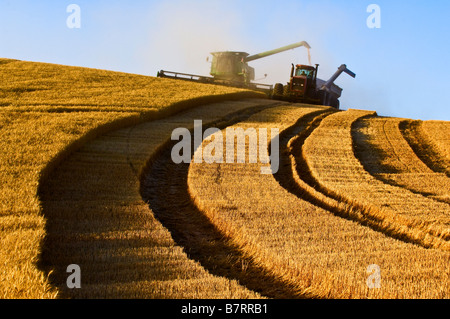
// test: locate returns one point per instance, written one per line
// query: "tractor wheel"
(277, 91)
(287, 93)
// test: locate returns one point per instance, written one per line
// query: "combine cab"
(305, 87)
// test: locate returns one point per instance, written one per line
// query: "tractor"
(305, 87)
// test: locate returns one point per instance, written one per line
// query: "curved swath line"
(422, 232)
(263, 278)
(424, 149)
(297, 241)
(164, 188)
(437, 133)
(96, 218)
(295, 176)
(382, 149)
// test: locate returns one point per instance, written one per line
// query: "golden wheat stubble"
(337, 169)
(46, 112)
(384, 153)
(437, 132)
(313, 251)
(98, 220)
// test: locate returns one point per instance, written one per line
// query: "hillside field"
(86, 178)
(46, 112)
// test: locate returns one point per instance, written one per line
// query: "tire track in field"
(295, 176)
(302, 243)
(383, 150)
(394, 210)
(165, 188)
(425, 150)
(97, 219)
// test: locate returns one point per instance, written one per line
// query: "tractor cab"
(305, 70)
(303, 80)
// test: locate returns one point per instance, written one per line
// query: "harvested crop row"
(438, 132)
(316, 253)
(164, 188)
(384, 153)
(29, 142)
(97, 219)
(334, 166)
(46, 112)
(430, 142)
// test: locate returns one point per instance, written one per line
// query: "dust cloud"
(183, 34)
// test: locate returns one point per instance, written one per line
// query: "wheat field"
(318, 254)
(386, 154)
(429, 141)
(87, 178)
(46, 112)
(123, 250)
(337, 169)
(437, 131)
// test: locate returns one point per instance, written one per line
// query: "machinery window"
(304, 72)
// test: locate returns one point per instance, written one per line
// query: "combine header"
(231, 68)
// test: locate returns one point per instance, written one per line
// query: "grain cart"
(231, 68)
(305, 87)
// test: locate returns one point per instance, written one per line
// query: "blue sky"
(402, 68)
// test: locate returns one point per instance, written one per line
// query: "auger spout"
(330, 82)
(279, 50)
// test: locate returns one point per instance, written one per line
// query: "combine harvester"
(230, 68)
